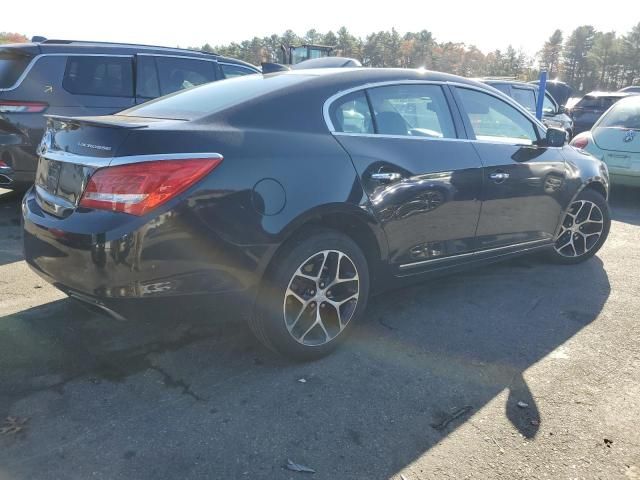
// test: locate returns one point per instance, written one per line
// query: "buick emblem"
(629, 135)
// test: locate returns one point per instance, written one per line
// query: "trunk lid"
(71, 150)
(617, 139)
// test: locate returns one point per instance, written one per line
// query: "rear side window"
(11, 67)
(412, 110)
(351, 114)
(182, 73)
(99, 75)
(231, 71)
(525, 97)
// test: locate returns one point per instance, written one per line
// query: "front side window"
(351, 114)
(412, 110)
(182, 73)
(494, 120)
(525, 97)
(231, 71)
(99, 75)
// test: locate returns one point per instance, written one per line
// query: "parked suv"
(526, 94)
(586, 112)
(72, 78)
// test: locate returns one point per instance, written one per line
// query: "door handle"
(386, 177)
(499, 177)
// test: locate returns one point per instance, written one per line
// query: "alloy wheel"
(581, 229)
(321, 297)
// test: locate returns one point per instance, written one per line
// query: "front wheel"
(584, 229)
(315, 292)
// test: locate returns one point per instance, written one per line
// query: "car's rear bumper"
(21, 160)
(126, 263)
(629, 179)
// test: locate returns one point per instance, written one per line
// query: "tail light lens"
(580, 141)
(10, 106)
(140, 187)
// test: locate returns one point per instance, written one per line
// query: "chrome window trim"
(430, 139)
(101, 162)
(161, 156)
(199, 59)
(505, 98)
(33, 61)
(529, 244)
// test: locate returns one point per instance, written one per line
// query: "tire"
(584, 229)
(294, 295)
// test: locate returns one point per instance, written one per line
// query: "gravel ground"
(198, 398)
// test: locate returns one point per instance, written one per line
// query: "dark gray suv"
(72, 78)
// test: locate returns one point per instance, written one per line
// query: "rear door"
(522, 180)
(422, 179)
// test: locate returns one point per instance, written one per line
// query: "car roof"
(374, 75)
(607, 94)
(81, 46)
(504, 81)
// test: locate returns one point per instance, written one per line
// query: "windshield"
(624, 114)
(213, 97)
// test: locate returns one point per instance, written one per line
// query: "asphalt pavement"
(517, 370)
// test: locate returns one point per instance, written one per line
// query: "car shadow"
(196, 396)
(10, 230)
(625, 203)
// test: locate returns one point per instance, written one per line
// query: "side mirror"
(561, 109)
(556, 137)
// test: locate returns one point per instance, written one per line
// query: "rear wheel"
(315, 292)
(584, 229)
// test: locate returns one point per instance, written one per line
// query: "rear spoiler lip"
(93, 121)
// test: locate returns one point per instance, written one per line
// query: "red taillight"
(580, 141)
(10, 106)
(138, 188)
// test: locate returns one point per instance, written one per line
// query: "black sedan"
(291, 197)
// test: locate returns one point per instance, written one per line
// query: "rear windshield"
(11, 67)
(625, 114)
(213, 97)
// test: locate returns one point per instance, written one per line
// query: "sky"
(487, 24)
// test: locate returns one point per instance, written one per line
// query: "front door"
(522, 178)
(423, 181)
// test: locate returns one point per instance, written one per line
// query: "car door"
(422, 180)
(522, 178)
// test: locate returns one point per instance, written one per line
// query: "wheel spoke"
(583, 220)
(323, 304)
(302, 310)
